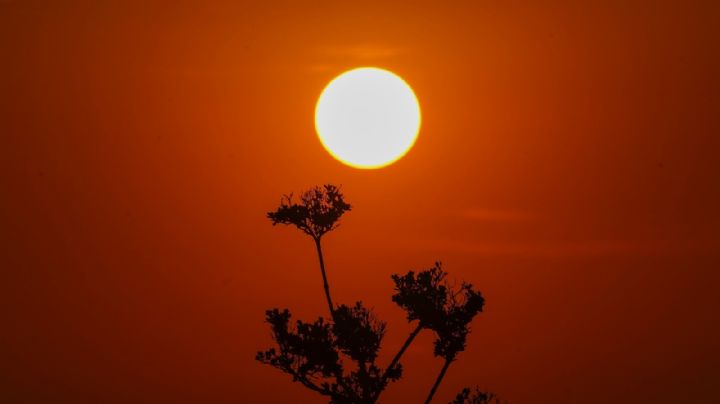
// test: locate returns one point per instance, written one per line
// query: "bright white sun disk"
(367, 117)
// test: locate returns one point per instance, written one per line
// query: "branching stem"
(324, 276)
(438, 380)
(397, 357)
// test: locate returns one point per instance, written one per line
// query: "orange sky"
(567, 166)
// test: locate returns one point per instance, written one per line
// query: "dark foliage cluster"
(428, 298)
(358, 332)
(316, 212)
(475, 396)
(312, 353)
(337, 357)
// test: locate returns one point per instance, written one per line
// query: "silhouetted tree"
(315, 354)
(311, 353)
(459, 310)
(316, 213)
(475, 396)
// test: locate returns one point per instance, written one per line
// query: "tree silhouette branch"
(438, 380)
(316, 212)
(326, 286)
(313, 353)
(393, 366)
(475, 396)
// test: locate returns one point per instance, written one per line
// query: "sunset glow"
(304, 201)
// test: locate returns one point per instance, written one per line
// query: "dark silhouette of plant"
(359, 332)
(311, 353)
(307, 352)
(475, 396)
(459, 310)
(431, 301)
(316, 213)
(317, 354)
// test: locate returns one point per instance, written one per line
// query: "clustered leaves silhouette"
(313, 353)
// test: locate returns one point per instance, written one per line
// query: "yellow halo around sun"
(367, 117)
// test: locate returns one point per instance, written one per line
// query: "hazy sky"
(567, 166)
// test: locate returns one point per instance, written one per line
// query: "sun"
(367, 117)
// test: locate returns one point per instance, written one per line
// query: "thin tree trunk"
(325, 281)
(438, 380)
(399, 355)
(326, 286)
(405, 346)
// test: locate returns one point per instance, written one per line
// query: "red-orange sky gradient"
(567, 166)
